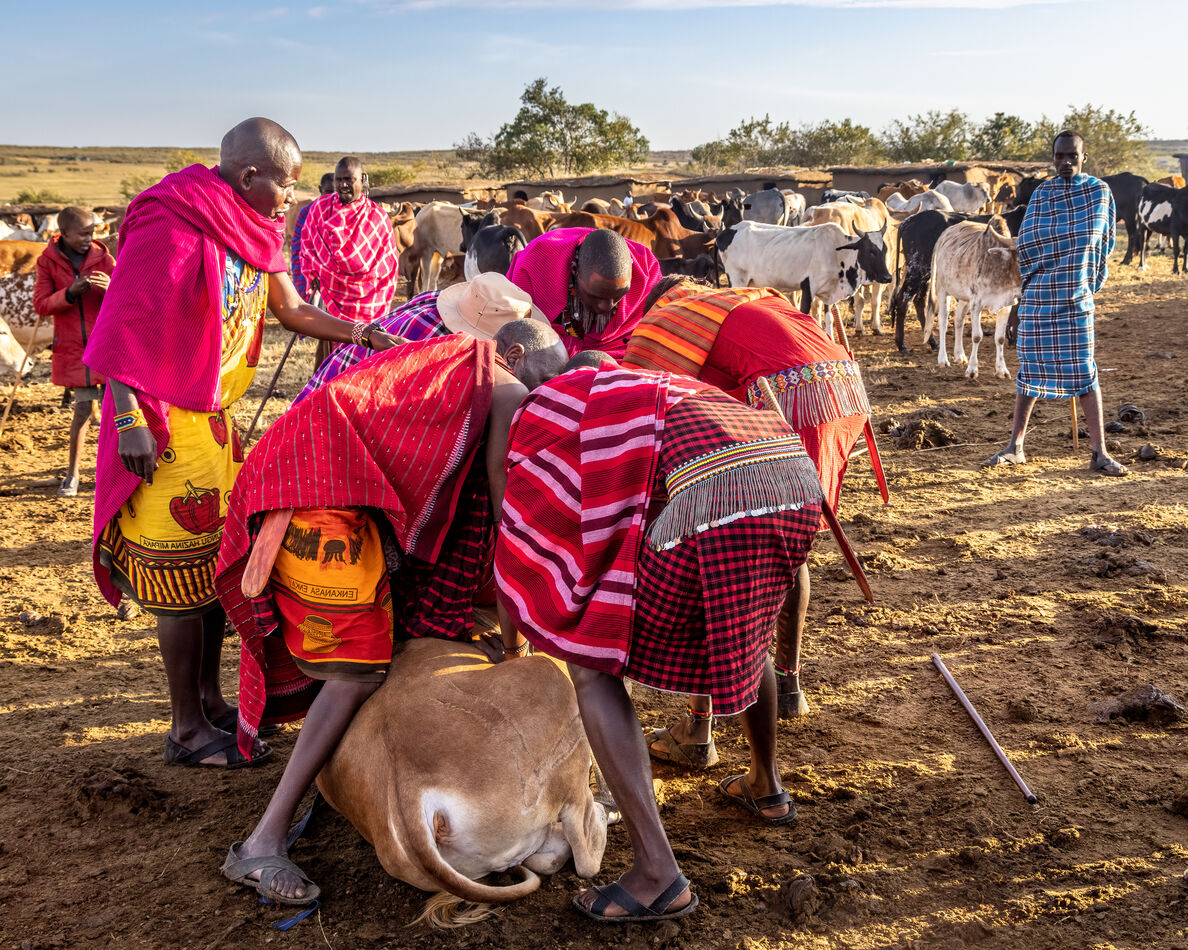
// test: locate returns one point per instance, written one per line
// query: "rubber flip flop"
(177, 754)
(756, 805)
(692, 755)
(237, 869)
(637, 913)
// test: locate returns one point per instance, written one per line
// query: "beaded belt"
(826, 371)
(731, 458)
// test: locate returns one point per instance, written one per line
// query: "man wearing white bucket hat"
(477, 308)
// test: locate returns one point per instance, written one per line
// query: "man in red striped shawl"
(730, 338)
(348, 250)
(380, 493)
(652, 526)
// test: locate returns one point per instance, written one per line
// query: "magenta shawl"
(542, 270)
(160, 328)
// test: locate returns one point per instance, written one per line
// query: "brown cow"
(1172, 181)
(905, 188)
(532, 223)
(455, 769)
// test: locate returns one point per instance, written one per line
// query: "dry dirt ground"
(1045, 589)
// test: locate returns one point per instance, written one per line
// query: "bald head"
(261, 161)
(605, 253)
(532, 349)
(348, 179)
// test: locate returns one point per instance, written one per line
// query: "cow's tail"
(423, 845)
(445, 912)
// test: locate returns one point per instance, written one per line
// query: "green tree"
(1003, 137)
(1114, 141)
(132, 185)
(933, 135)
(40, 196)
(181, 158)
(834, 143)
(550, 135)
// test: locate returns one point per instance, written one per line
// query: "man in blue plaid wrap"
(1064, 243)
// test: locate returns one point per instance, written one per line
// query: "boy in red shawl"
(72, 275)
(178, 338)
(731, 338)
(589, 283)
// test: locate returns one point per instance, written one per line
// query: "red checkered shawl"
(351, 251)
(582, 460)
(399, 433)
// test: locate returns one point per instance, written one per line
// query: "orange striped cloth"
(677, 334)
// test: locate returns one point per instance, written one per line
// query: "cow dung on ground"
(1147, 703)
(923, 434)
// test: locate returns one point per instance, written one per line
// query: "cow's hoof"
(904, 350)
(877, 331)
(1003, 374)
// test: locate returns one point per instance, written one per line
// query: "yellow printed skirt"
(163, 546)
(330, 584)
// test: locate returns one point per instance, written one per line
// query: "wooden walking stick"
(876, 460)
(843, 542)
(1072, 408)
(20, 369)
(983, 728)
(271, 387)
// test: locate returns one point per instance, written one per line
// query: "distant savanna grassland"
(110, 175)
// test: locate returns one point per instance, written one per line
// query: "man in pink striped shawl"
(178, 338)
(348, 251)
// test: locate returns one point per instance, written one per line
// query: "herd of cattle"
(922, 243)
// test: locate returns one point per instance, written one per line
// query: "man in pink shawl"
(590, 283)
(348, 251)
(178, 338)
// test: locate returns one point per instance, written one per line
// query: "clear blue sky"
(371, 75)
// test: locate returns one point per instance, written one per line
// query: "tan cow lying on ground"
(456, 768)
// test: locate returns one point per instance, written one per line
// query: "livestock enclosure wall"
(806, 181)
(871, 177)
(437, 191)
(578, 190)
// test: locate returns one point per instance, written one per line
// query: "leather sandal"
(663, 747)
(754, 805)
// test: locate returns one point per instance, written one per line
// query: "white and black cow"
(1163, 210)
(827, 264)
(964, 196)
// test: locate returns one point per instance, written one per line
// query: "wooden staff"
(843, 542)
(986, 733)
(20, 369)
(876, 460)
(271, 387)
(1072, 408)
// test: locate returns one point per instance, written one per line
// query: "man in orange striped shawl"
(731, 338)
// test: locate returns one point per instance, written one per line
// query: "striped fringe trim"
(747, 490)
(816, 393)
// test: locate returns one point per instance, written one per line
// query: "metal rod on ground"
(19, 370)
(983, 728)
(271, 386)
(1072, 408)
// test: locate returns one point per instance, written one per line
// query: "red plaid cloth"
(351, 251)
(706, 609)
(398, 435)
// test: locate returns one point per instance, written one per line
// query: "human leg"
(690, 740)
(210, 689)
(182, 642)
(759, 726)
(789, 633)
(79, 424)
(328, 718)
(613, 730)
(1100, 460)
(1013, 453)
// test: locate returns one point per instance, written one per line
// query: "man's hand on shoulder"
(138, 452)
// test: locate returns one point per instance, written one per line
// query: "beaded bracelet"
(132, 419)
(521, 650)
(357, 332)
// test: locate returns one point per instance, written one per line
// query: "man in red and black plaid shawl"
(652, 528)
(348, 251)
